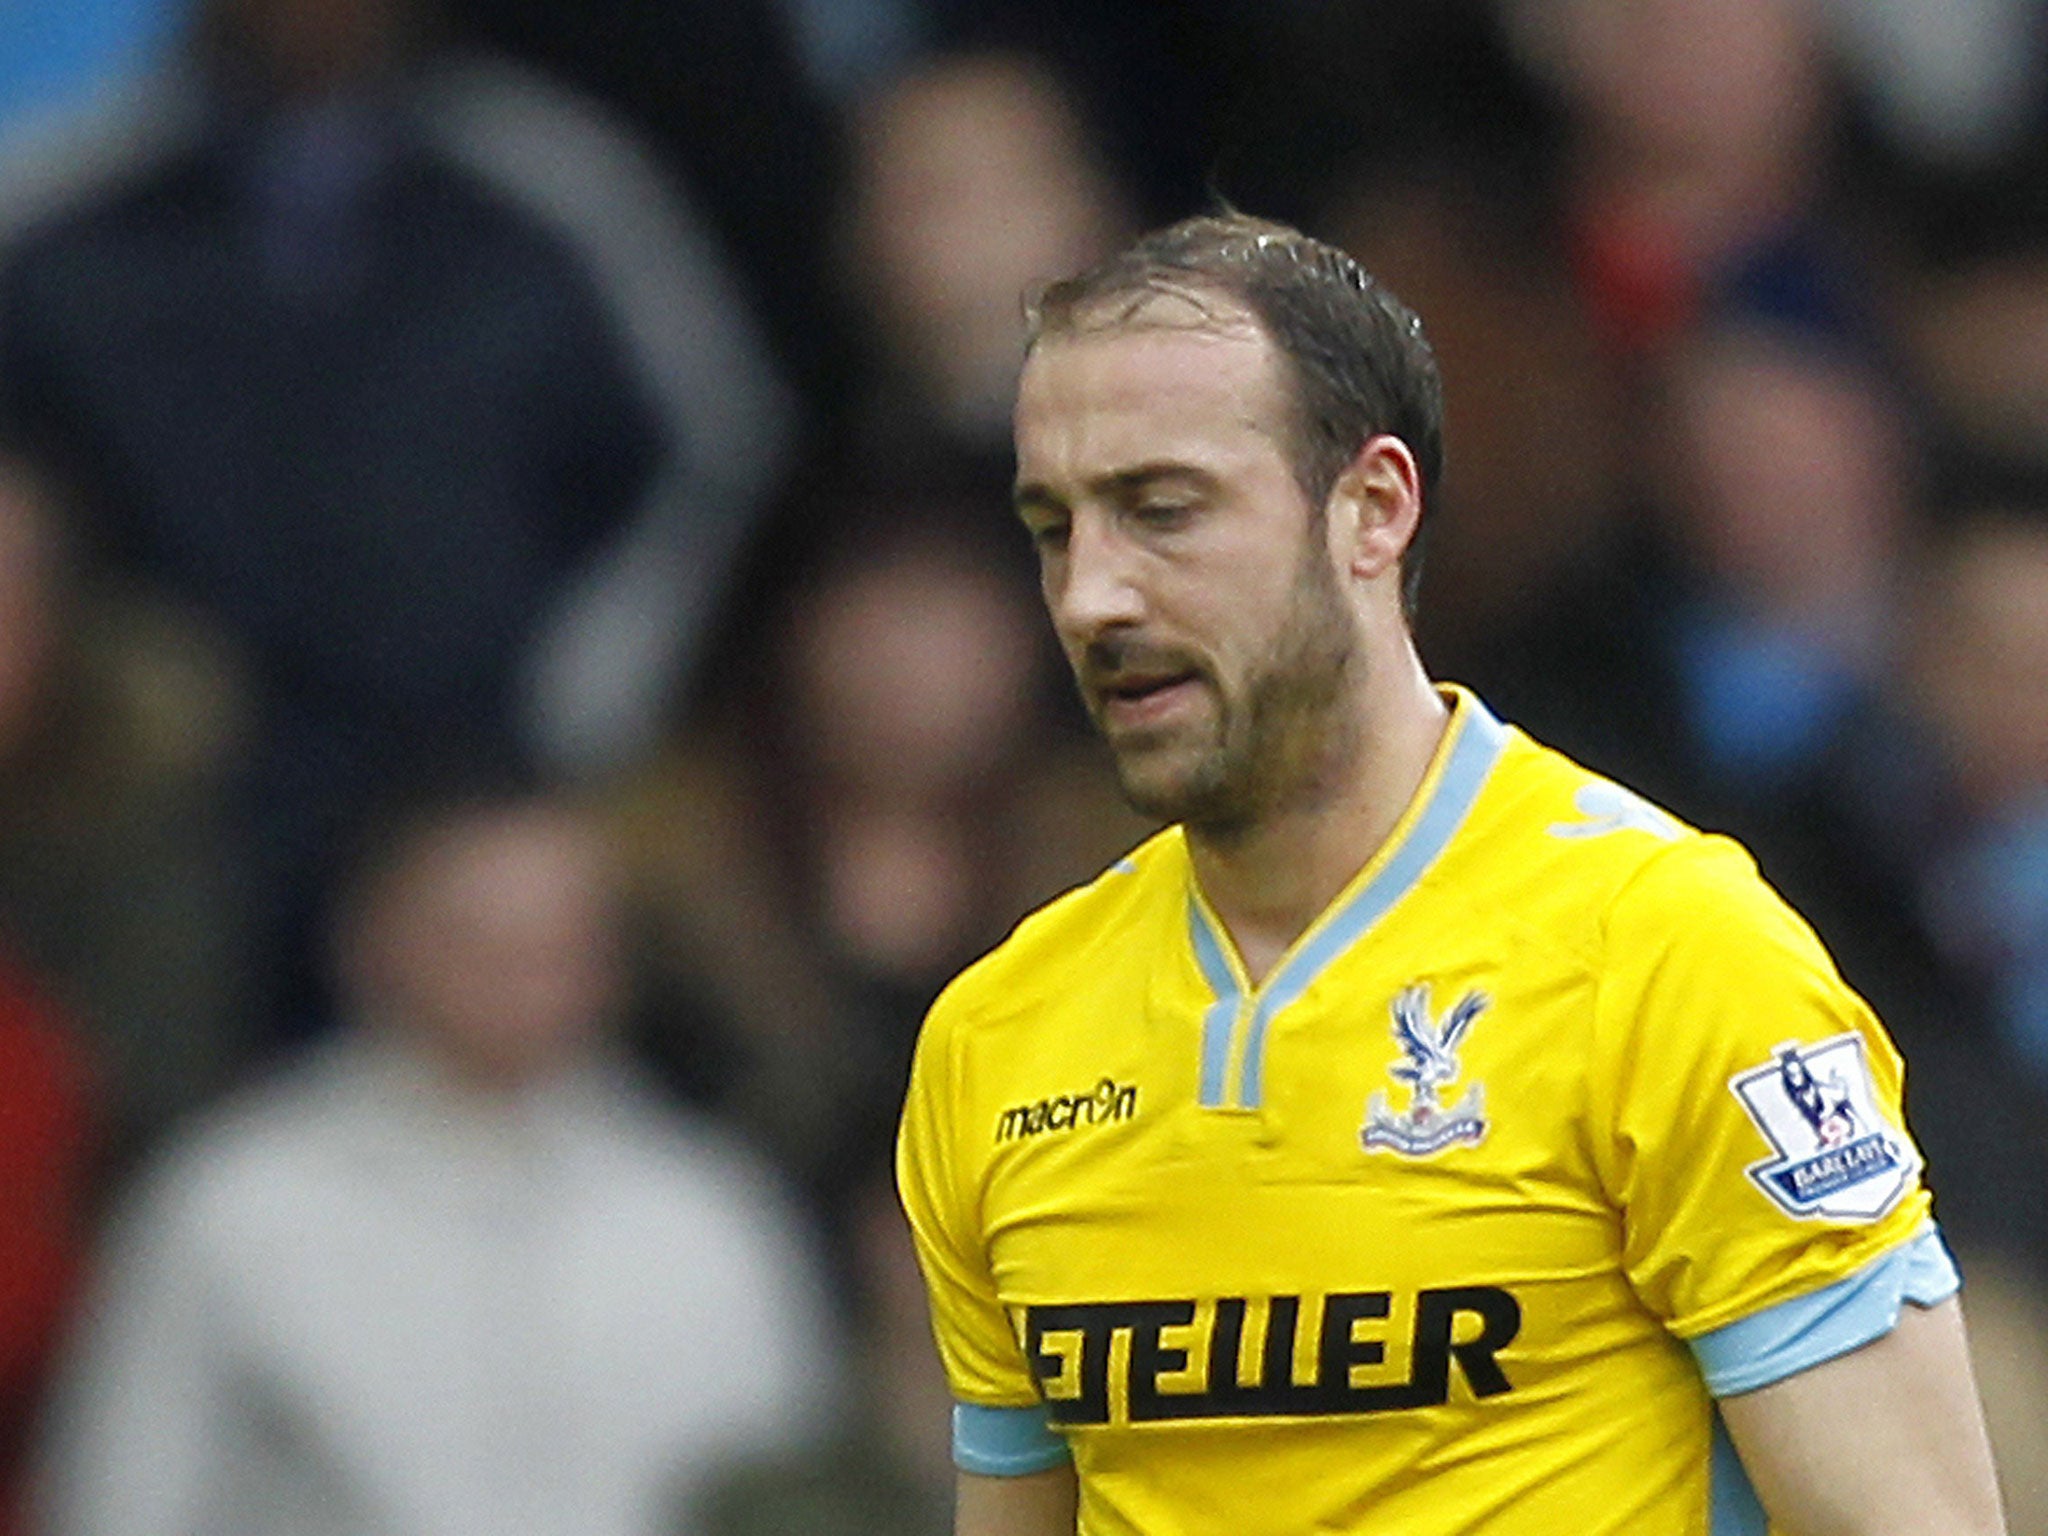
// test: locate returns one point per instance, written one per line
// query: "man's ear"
(1375, 508)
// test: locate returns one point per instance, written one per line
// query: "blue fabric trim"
(1220, 1021)
(1480, 740)
(1005, 1442)
(1733, 1509)
(1794, 1335)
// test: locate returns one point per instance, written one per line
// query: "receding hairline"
(1146, 304)
(1196, 309)
(1169, 307)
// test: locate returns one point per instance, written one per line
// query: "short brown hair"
(1357, 361)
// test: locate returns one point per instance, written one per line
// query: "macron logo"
(1106, 1103)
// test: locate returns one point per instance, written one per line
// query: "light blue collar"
(1472, 745)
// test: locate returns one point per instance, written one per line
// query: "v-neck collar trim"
(1234, 1026)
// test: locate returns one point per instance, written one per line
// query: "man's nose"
(1095, 586)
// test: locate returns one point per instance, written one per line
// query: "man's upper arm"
(1747, 1102)
(1887, 1440)
(1000, 1425)
(1773, 1212)
(1042, 1504)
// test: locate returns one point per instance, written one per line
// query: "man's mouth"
(1139, 699)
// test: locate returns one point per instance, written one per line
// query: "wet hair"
(1356, 361)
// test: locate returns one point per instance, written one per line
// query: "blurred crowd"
(518, 682)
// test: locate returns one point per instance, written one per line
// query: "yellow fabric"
(1504, 1349)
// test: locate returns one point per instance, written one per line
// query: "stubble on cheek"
(1283, 740)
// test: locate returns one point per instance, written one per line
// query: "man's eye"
(1161, 514)
(1048, 535)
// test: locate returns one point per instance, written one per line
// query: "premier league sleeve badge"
(1836, 1156)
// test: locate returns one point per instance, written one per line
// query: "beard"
(1278, 743)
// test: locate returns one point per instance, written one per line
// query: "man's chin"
(1163, 785)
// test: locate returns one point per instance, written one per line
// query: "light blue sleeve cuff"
(1794, 1335)
(1005, 1442)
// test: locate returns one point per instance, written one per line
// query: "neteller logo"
(1183, 1359)
(1106, 1103)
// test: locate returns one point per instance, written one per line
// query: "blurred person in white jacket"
(456, 1274)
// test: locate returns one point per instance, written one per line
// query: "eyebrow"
(1033, 497)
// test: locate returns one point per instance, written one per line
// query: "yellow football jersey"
(1412, 1237)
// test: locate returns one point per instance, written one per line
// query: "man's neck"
(1270, 881)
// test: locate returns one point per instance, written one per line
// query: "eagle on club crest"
(1429, 1062)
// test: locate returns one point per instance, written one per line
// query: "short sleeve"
(935, 1176)
(1753, 1139)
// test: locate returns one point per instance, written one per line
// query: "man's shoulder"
(1077, 933)
(1588, 850)
(1562, 843)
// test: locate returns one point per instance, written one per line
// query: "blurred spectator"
(1742, 656)
(47, 1147)
(1983, 686)
(889, 1471)
(412, 374)
(1700, 142)
(116, 720)
(1790, 490)
(974, 181)
(456, 1274)
(1153, 81)
(1972, 323)
(1740, 629)
(718, 91)
(1154, 84)
(876, 789)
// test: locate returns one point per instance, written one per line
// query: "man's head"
(1355, 362)
(1215, 459)
(480, 926)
